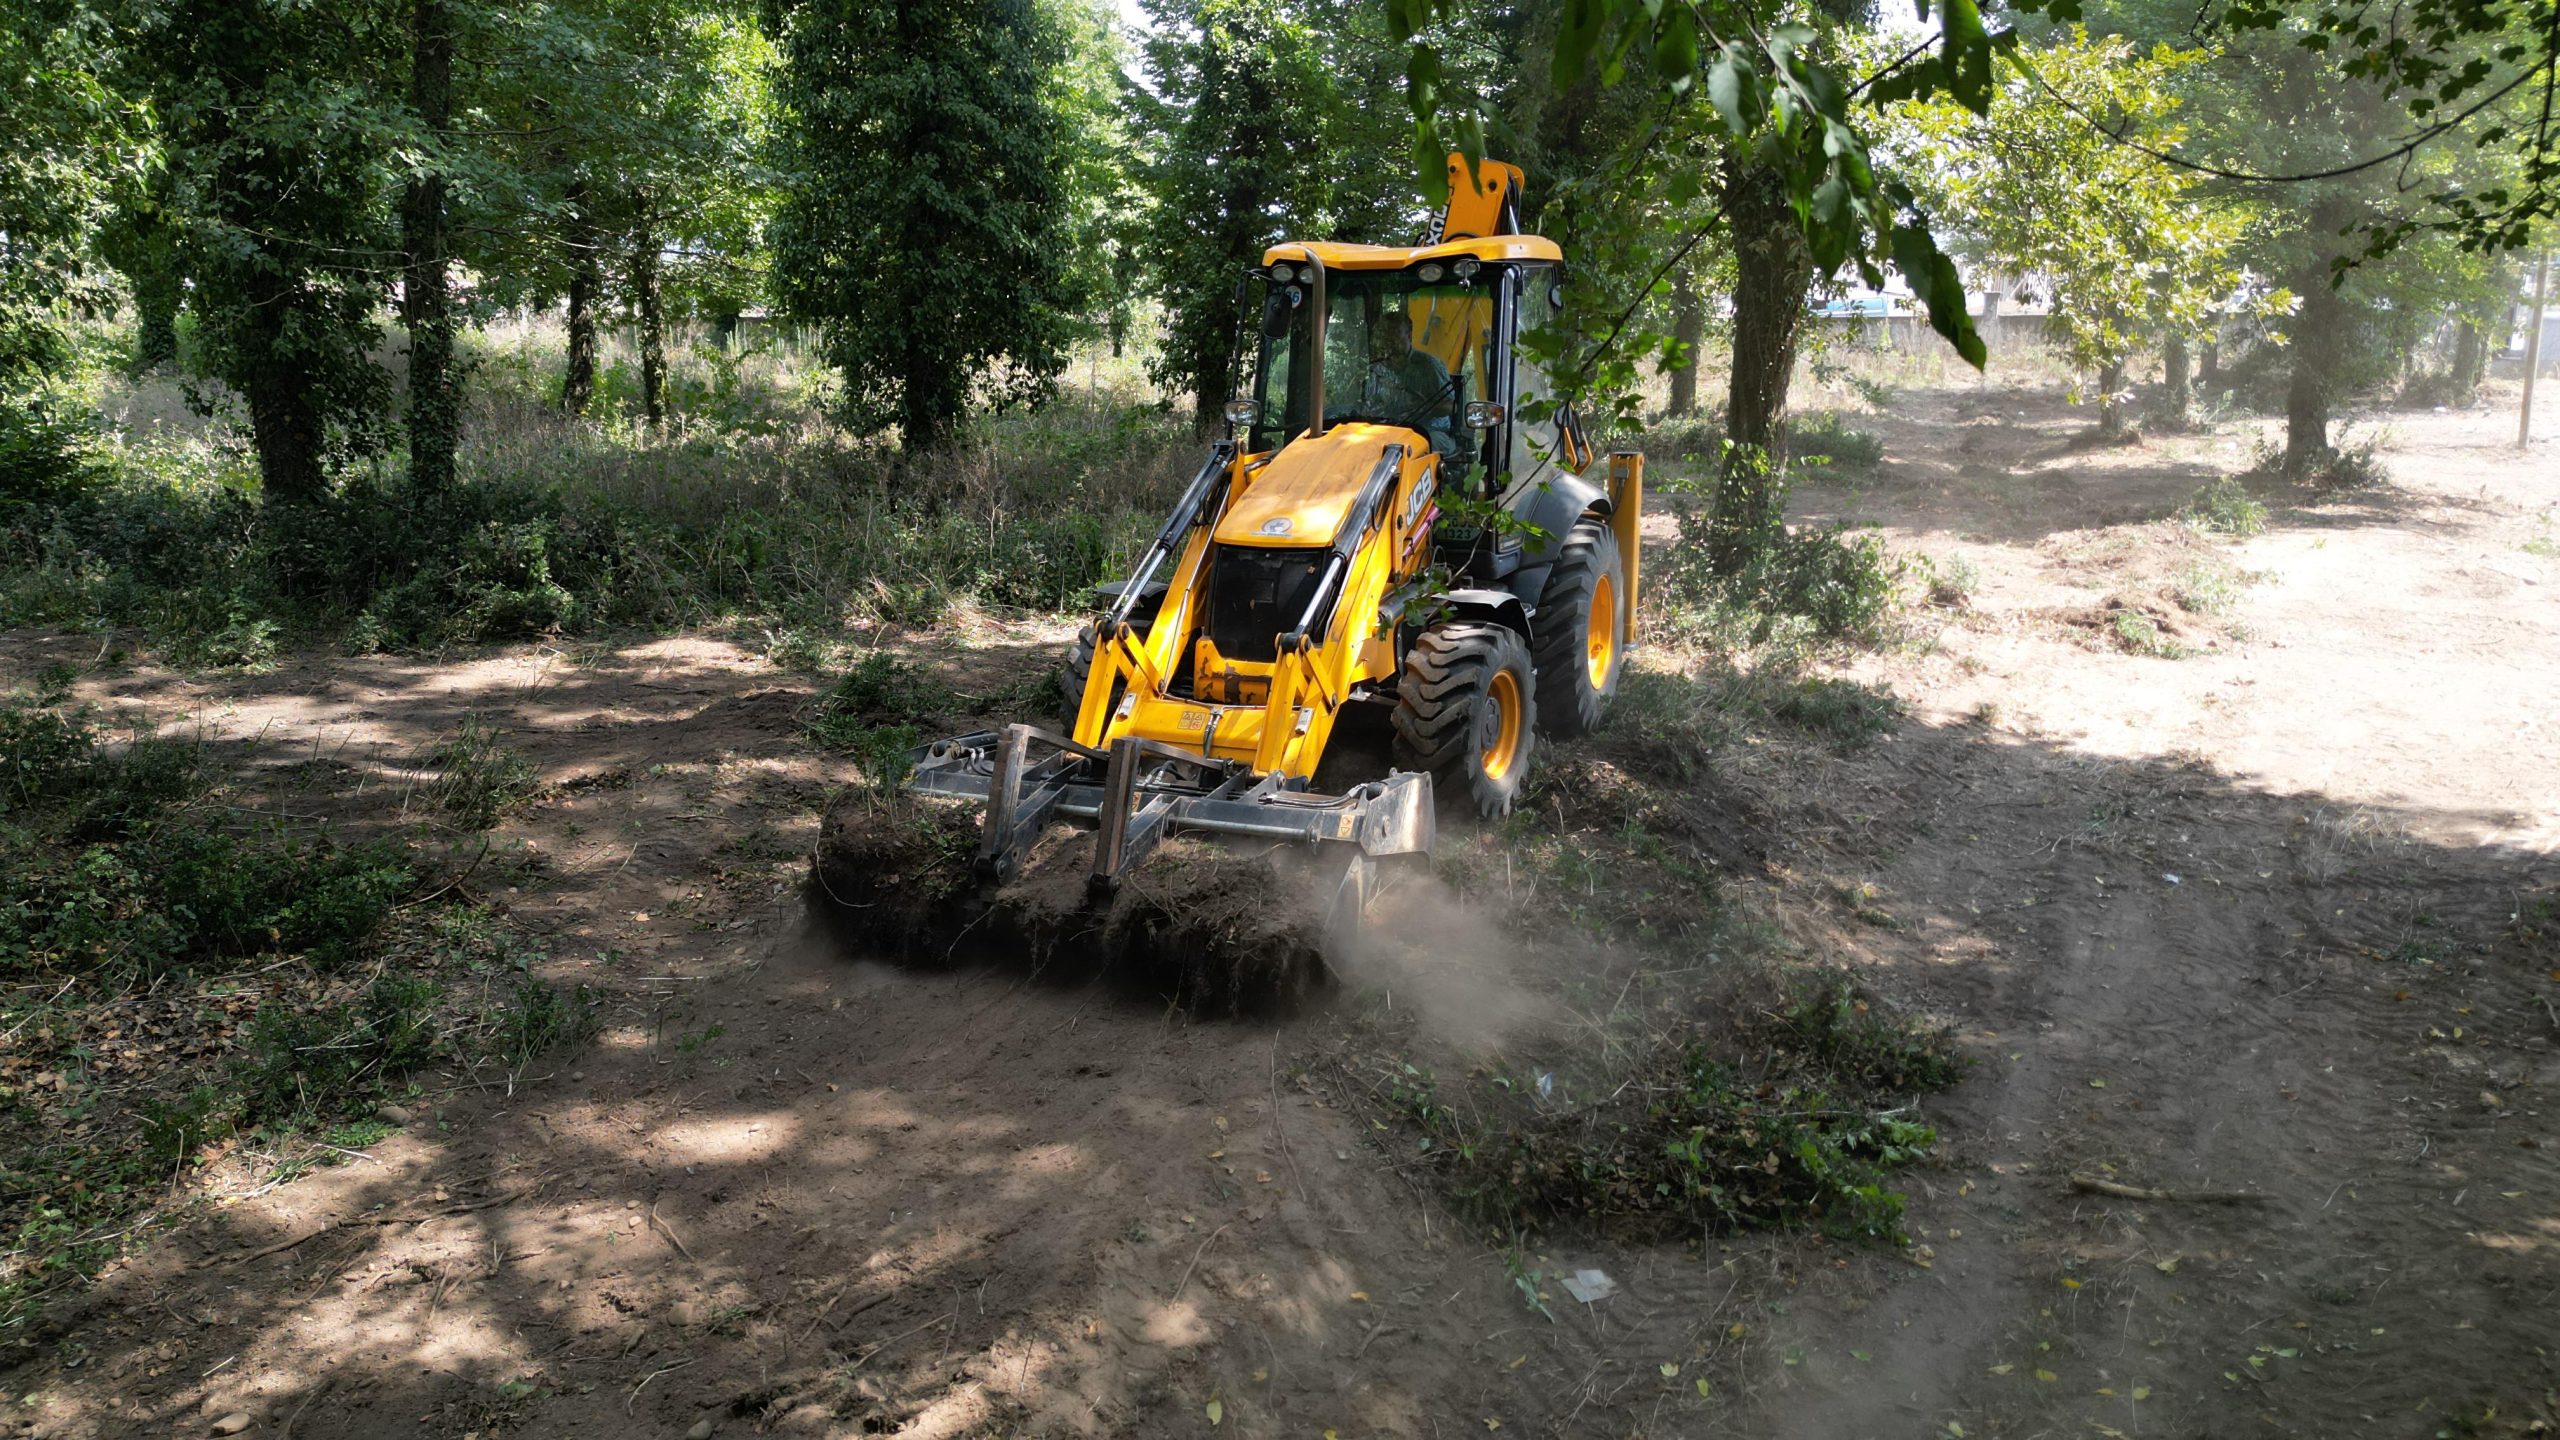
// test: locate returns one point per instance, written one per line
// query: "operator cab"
(1424, 338)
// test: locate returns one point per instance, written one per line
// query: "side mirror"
(1485, 414)
(1242, 414)
(1555, 290)
(1276, 313)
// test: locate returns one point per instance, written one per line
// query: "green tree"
(2126, 244)
(280, 126)
(63, 121)
(923, 214)
(1238, 92)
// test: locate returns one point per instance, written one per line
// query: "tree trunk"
(646, 306)
(285, 421)
(2111, 399)
(2470, 359)
(1771, 270)
(2319, 331)
(156, 293)
(2177, 394)
(1990, 326)
(586, 277)
(2209, 357)
(435, 410)
(1688, 329)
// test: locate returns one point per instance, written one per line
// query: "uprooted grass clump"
(177, 989)
(1215, 928)
(1788, 1110)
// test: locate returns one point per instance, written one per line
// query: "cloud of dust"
(1449, 961)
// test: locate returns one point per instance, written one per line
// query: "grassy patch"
(2226, 507)
(1787, 1116)
(475, 778)
(1843, 713)
(2139, 634)
(179, 988)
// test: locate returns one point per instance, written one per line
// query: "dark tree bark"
(2111, 424)
(2177, 392)
(2209, 358)
(2470, 359)
(1772, 271)
(1688, 329)
(586, 278)
(285, 419)
(2319, 333)
(426, 282)
(648, 307)
(156, 292)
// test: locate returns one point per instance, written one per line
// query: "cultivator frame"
(1139, 791)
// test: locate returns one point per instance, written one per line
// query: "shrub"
(1844, 712)
(477, 779)
(2226, 507)
(1825, 439)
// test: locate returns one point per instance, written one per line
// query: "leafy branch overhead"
(1784, 100)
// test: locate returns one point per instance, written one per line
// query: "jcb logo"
(1423, 490)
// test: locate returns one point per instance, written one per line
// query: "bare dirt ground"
(2271, 918)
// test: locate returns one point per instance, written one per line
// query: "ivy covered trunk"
(1688, 328)
(2177, 391)
(426, 282)
(156, 292)
(1771, 272)
(286, 422)
(648, 306)
(586, 277)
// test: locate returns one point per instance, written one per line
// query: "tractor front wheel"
(1582, 640)
(1079, 668)
(1466, 714)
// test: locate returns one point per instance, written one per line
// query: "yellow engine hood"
(1298, 499)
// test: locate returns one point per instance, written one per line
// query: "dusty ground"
(2260, 919)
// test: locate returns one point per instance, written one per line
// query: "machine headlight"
(1283, 273)
(1466, 269)
(1243, 413)
(1430, 274)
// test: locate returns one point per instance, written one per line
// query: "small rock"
(232, 1424)
(701, 1431)
(396, 1114)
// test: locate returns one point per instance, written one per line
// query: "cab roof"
(1339, 256)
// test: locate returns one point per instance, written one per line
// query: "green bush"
(1825, 439)
(2226, 507)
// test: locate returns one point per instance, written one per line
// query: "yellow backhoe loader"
(1400, 517)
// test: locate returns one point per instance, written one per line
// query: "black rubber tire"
(1071, 679)
(1569, 704)
(1445, 714)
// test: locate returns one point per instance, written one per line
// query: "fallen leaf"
(1217, 1411)
(2047, 1376)
(2002, 1369)
(1492, 1424)
(1670, 1370)
(2141, 1392)
(1360, 1296)
(1955, 1429)
(2168, 1266)
(2097, 1084)
(1735, 1329)
(2070, 1284)
(1704, 1390)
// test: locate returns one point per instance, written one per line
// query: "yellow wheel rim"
(1501, 728)
(1600, 646)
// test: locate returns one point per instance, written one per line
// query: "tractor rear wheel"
(1466, 714)
(1582, 644)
